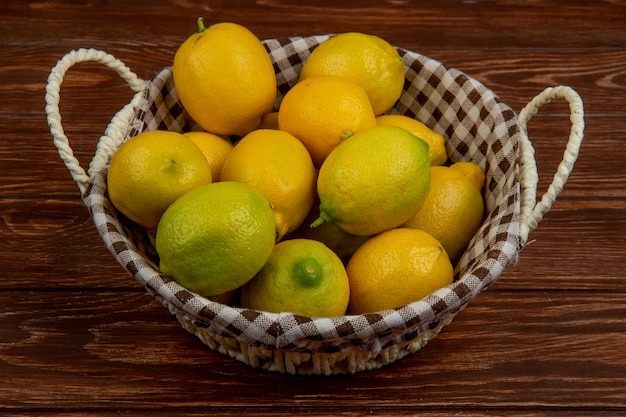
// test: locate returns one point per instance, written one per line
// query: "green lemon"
(374, 181)
(216, 237)
(302, 276)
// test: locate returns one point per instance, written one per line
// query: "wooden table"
(78, 336)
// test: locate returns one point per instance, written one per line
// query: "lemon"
(472, 171)
(436, 143)
(224, 78)
(321, 111)
(374, 181)
(454, 208)
(215, 149)
(367, 60)
(302, 277)
(395, 268)
(269, 121)
(277, 165)
(216, 237)
(150, 171)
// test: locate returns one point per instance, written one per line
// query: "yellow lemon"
(374, 181)
(436, 143)
(216, 237)
(301, 276)
(472, 171)
(277, 165)
(150, 171)
(321, 111)
(396, 268)
(269, 121)
(215, 149)
(453, 210)
(224, 78)
(367, 60)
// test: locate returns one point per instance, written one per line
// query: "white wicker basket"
(478, 127)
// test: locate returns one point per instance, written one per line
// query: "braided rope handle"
(115, 131)
(532, 211)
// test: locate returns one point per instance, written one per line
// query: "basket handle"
(531, 211)
(115, 131)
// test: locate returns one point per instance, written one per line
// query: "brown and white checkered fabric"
(477, 126)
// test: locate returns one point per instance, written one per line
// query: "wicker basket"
(478, 127)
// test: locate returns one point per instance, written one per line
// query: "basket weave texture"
(478, 127)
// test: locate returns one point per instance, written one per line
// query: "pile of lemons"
(329, 206)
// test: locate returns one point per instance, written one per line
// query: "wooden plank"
(95, 350)
(442, 25)
(587, 256)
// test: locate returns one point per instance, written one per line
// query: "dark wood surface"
(78, 336)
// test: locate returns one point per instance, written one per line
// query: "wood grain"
(127, 345)
(78, 336)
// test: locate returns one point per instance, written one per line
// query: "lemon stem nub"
(321, 219)
(201, 27)
(346, 135)
(307, 272)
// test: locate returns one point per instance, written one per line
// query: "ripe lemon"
(224, 78)
(215, 149)
(374, 181)
(396, 268)
(472, 171)
(321, 111)
(301, 276)
(269, 121)
(277, 165)
(216, 237)
(150, 171)
(436, 143)
(367, 60)
(453, 210)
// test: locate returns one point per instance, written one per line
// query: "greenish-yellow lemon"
(373, 181)
(216, 237)
(302, 276)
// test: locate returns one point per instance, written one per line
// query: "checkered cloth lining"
(477, 126)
